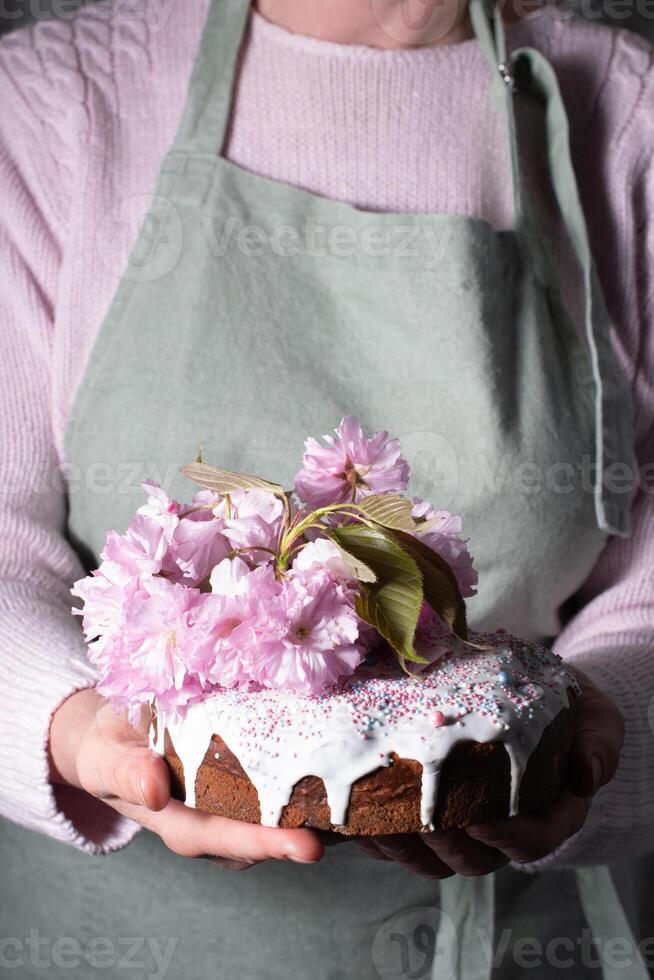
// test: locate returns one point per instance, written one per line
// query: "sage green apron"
(252, 314)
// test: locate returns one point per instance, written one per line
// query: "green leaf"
(440, 586)
(392, 603)
(374, 609)
(360, 570)
(389, 510)
(224, 481)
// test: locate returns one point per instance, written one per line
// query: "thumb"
(116, 763)
(597, 739)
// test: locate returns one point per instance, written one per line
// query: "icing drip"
(508, 694)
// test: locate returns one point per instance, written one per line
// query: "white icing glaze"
(347, 732)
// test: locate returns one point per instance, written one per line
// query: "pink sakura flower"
(202, 500)
(222, 626)
(182, 543)
(445, 539)
(252, 520)
(195, 539)
(306, 638)
(225, 622)
(234, 577)
(198, 544)
(146, 547)
(146, 659)
(350, 465)
(160, 508)
(323, 553)
(142, 550)
(105, 594)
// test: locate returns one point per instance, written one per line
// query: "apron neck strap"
(487, 24)
(204, 122)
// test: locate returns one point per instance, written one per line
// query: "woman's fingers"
(438, 854)
(597, 739)
(533, 836)
(410, 852)
(368, 846)
(465, 855)
(594, 755)
(191, 833)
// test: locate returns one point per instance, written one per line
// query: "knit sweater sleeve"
(41, 648)
(612, 636)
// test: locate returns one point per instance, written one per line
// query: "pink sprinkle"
(439, 718)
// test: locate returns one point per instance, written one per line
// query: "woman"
(364, 214)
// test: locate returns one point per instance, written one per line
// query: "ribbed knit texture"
(90, 105)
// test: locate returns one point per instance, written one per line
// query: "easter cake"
(305, 655)
(476, 736)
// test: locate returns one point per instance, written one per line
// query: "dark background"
(638, 15)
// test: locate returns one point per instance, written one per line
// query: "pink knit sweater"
(89, 106)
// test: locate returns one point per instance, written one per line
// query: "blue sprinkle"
(504, 677)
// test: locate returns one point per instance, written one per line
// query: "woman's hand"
(97, 751)
(478, 850)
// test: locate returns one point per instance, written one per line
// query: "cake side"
(474, 787)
